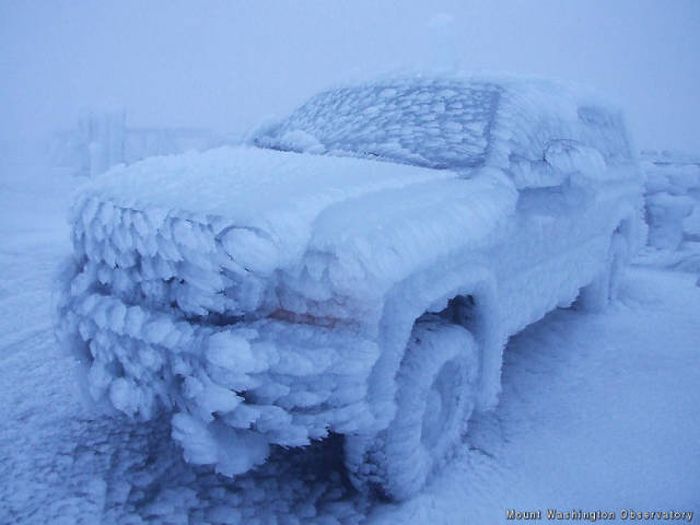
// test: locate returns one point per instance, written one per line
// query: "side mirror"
(572, 158)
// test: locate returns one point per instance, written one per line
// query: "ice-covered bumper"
(233, 389)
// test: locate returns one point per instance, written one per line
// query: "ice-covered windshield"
(432, 123)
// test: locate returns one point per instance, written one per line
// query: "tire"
(435, 397)
(596, 296)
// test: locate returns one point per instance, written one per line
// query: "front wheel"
(435, 397)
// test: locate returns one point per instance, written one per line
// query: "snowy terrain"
(598, 412)
(673, 210)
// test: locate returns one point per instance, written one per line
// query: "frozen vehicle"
(356, 269)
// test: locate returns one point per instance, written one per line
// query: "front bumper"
(231, 388)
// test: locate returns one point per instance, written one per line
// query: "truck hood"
(339, 222)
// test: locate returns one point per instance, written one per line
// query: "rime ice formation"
(265, 294)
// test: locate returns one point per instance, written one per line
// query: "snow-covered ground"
(598, 412)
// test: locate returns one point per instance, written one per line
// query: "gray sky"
(227, 65)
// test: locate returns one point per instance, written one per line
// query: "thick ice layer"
(453, 123)
(279, 194)
(376, 241)
(289, 383)
(423, 122)
(241, 309)
(212, 239)
(266, 297)
(673, 201)
(205, 232)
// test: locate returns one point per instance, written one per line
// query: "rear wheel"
(435, 397)
(596, 296)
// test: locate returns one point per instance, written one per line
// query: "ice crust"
(673, 207)
(265, 296)
(454, 123)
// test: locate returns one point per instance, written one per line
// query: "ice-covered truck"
(356, 268)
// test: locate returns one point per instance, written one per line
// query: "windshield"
(432, 123)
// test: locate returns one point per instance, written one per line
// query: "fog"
(228, 65)
(174, 331)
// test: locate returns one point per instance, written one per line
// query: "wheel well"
(436, 293)
(460, 310)
(624, 228)
(628, 226)
(625, 231)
